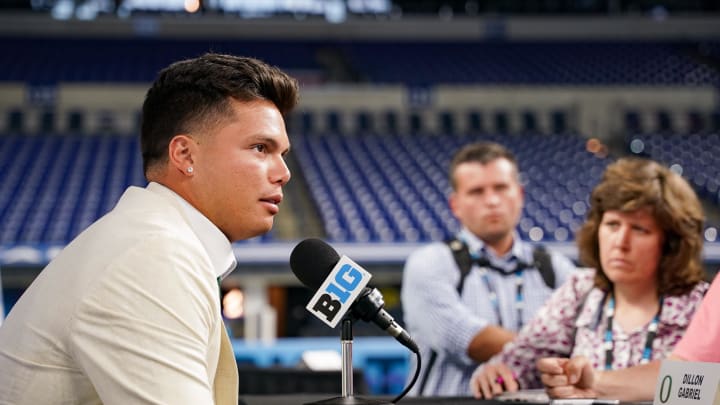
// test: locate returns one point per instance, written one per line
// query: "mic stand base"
(347, 397)
(350, 401)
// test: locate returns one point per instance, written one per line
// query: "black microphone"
(312, 260)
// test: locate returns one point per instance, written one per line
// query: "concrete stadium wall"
(592, 111)
(12, 96)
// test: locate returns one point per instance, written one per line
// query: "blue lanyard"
(649, 337)
(484, 264)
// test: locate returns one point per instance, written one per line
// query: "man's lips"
(272, 202)
(274, 199)
(493, 217)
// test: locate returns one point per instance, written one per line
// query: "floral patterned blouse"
(551, 332)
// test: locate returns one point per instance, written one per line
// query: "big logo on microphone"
(338, 292)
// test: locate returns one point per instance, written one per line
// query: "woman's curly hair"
(631, 184)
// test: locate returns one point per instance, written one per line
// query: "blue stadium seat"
(381, 188)
(695, 155)
(410, 63)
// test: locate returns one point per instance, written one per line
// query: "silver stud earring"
(190, 169)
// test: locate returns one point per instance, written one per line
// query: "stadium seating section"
(411, 63)
(368, 186)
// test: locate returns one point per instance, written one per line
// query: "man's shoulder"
(431, 258)
(153, 231)
(431, 249)
(535, 247)
(562, 265)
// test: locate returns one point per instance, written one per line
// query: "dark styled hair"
(195, 94)
(480, 152)
(631, 184)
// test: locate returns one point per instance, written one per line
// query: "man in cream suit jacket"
(129, 312)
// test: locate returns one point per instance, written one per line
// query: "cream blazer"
(127, 313)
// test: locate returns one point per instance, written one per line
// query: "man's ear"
(181, 152)
(452, 202)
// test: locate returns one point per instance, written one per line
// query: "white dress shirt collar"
(475, 244)
(215, 242)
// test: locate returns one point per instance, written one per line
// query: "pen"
(501, 381)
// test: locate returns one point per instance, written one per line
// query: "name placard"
(688, 383)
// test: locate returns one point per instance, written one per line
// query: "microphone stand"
(347, 398)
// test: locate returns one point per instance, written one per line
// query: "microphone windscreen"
(312, 260)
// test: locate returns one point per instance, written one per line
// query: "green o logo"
(665, 393)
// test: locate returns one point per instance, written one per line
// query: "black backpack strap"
(461, 254)
(543, 262)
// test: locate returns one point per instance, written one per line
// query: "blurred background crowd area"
(390, 90)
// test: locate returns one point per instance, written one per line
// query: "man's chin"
(494, 237)
(262, 230)
(259, 230)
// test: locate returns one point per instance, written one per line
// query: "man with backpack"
(465, 298)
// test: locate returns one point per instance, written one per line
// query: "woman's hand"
(568, 378)
(489, 380)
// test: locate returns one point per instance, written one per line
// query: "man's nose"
(281, 172)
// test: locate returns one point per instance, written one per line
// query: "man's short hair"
(194, 95)
(480, 152)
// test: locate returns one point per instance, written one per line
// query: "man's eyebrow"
(270, 141)
(264, 139)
